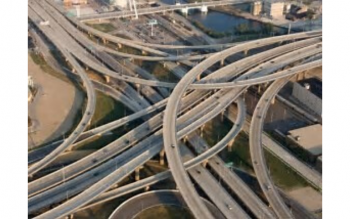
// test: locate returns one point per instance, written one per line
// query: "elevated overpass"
(151, 132)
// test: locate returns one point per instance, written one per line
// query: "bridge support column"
(147, 188)
(304, 74)
(230, 144)
(204, 9)
(246, 52)
(205, 162)
(86, 68)
(184, 11)
(73, 70)
(119, 46)
(185, 139)
(164, 65)
(107, 78)
(259, 89)
(222, 115)
(202, 129)
(162, 155)
(137, 173)
(144, 52)
(198, 77)
(266, 85)
(222, 62)
(104, 41)
(299, 76)
(273, 100)
(138, 87)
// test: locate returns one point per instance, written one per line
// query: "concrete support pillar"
(138, 87)
(259, 89)
(119, 46)
(222, 115)
(205, 162)
(198, 77)
(222, 62)
(164, 65)
(202, 129)
(86, 68)
(299, 77)
(185, 139)
(107, 78)
(90, 35)
(266, 85)
(184, 11)
(137, 173)
(147, 188)
(230, 144)
(304, 74)
(246, 52)
(73, 70)
(273, 100)
(204, 9)
(162, 155)
(144, 52)
(104, 41)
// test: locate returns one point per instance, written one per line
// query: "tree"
(242, 28)
(267, 28)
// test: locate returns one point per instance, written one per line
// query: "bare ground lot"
(308, 197)
(53, 108)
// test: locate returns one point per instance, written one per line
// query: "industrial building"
(74, 2)
(309, 139)
(120, 3)
(256, 8)
(274, 8)
(309, 93)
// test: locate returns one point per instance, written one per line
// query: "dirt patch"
(54, 107)
(308, 197)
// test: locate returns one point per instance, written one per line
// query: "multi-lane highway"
(86, 181)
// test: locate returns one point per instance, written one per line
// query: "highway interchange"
(87, 180)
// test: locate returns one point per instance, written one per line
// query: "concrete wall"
(307, 98)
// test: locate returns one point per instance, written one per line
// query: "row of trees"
(241, 29)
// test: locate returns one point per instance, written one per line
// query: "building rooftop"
(309, 138)
(315, 86)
